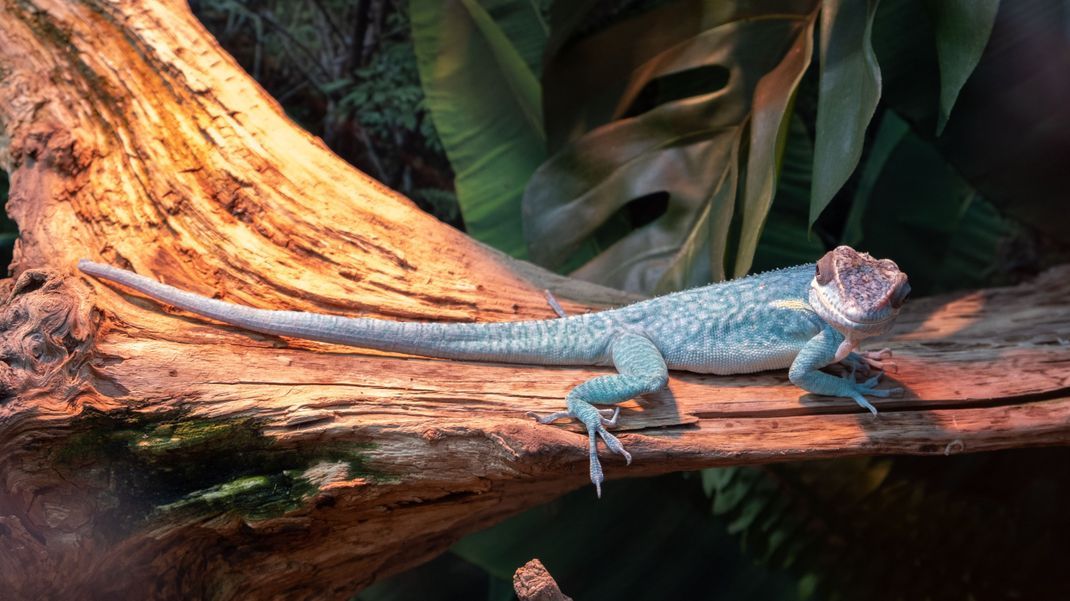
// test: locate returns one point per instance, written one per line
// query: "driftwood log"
(146, 453)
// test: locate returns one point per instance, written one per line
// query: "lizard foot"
(857, 390)
(879, 360)
(596, 422)
(614, 415)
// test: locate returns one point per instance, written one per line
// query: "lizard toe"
(553, 417)
(870, 383)
(597, 476)
(613, 444)
(610, 421)
(863, 402)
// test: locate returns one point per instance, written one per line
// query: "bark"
(533, 583)
(145, 453)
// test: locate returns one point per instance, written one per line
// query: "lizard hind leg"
(641, 369)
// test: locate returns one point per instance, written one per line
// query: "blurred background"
(654, 145)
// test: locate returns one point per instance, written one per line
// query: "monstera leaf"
(668, 128)
(714, 153)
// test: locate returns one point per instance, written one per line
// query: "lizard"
(802, 318)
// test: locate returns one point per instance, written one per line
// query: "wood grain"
(145, 453)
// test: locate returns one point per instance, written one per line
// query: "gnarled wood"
(150, 454)
(533, 583)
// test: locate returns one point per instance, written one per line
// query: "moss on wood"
(151, 465)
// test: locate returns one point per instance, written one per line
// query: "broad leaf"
(485, 101)
(1011, 126)
(889, 134)
(565, 17)
(850, 88)
(769, 123)
(912, 194)
(695, 148)
(584, 85)
(905, 45)
(962, 29)
(1011, 133)
(649, 538)
(786, 239)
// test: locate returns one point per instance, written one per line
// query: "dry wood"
(533, 583)
(150, 454)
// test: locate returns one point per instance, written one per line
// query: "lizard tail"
(579, 340)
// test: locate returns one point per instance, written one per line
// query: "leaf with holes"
(711, 149)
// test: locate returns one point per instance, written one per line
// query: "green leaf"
(768, 134)
(905, 45)
(695, 147)
(517, 73)
(485, 101)
(785, 238)
(889, 134)
(910, 193)
(962, 29)
(645, 539)
(844, 526)
(849, 90)
(593, 81)
(565, 17)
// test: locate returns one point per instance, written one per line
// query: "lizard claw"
(549, 419)
(614, 416)
(879, 360)
(865, 404)
(556, 306)
(610, 421)
(595, 422)
(858, 390)
(866, 362)
(613, 444)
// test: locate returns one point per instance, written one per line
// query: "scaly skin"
(788, 318)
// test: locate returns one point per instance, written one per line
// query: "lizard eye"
(901, 296)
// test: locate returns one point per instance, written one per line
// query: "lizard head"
(856, 294)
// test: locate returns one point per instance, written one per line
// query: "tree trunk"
(147, 453)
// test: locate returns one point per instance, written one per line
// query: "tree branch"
(147, 453)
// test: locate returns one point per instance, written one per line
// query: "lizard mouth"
(830, 311)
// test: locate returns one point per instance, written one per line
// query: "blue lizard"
(802, 318)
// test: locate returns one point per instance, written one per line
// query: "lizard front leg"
(820, 351)
(641, 370)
